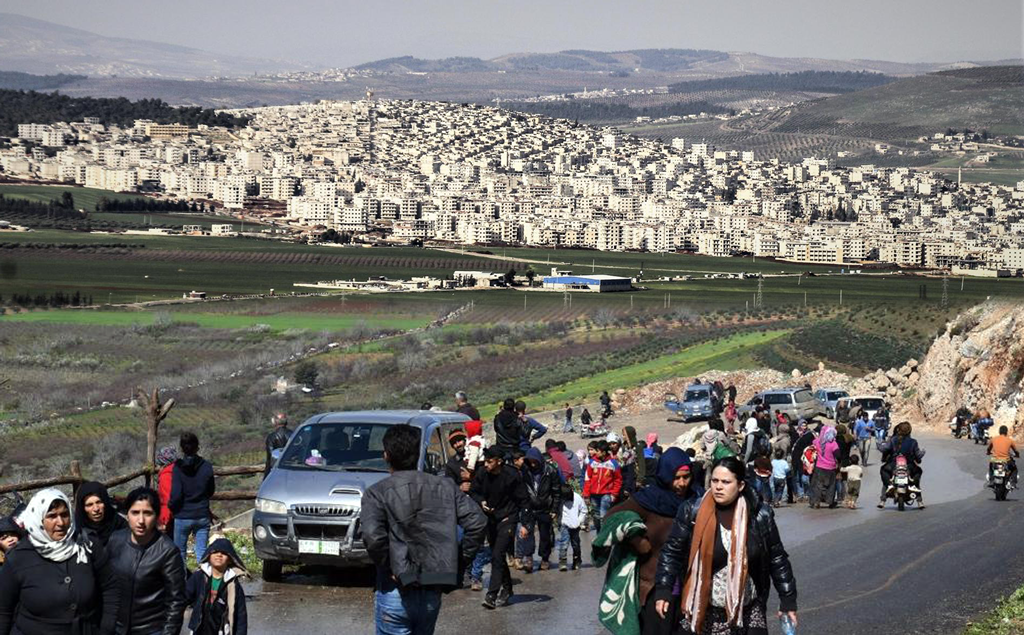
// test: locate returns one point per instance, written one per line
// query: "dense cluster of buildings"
(475, 174)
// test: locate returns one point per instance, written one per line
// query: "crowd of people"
(79, 567)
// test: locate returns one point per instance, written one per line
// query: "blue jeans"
(567, 537)
(483, 558)
(780, 488)
(602, 503)
(409, 611)
(568, 425)
(185, 527)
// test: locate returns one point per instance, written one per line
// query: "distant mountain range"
(37, 46)
(41, 47)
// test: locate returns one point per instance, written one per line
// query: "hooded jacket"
(152, 579)
(543, 485)
(603, 477)
(192, 486)
(504, 493)
(226, 609)
(112, 521)
(276, 440)
(8, 526)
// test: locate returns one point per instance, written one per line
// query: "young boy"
(475, 445)
(854, 472)
(780, 475)
(574, 511)
(10, 534)
(604, 482)
(214, 592)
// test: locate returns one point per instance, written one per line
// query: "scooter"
(902, 489)
(959, 428)
(999, 479)
(596, 428)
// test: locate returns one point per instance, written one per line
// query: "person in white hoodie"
(215, 595)
(574, 512)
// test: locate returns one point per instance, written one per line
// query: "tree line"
(29, 106)
(144, 204)
(54, 300)
(26, 81)
(808, 81)
(598, 110)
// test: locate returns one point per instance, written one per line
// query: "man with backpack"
(756, 442)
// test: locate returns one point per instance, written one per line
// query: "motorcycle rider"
(1002, 448)
(901, 444)
(276, 440)
(963, 418)
(981, 425)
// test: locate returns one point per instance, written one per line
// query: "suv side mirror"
(275, 455)
(433, 463)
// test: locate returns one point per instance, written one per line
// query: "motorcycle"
(981, 434)
(1000, 478)
(902, 488)
(596, 428)
(959, 428)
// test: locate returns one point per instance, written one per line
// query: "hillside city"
(472, 174)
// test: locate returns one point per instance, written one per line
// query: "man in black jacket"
(544, 504)
(277, 439)
(192, 487)
(508, 428)
(500, 491)
(409, 525)
(455, 469)
(462, 406)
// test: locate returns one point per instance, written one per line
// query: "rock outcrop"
(979, 363)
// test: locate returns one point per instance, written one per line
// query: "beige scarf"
(697, 591)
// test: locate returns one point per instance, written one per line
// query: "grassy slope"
(1006, 619)
(725, 354)
(277, 322)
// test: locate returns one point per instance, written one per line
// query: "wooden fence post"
(155, 414)
(76, 473)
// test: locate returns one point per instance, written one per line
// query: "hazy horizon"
(310, 31)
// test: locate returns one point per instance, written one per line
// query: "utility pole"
(961, 283)
(945, 290)
(524, 301)
(759, 299)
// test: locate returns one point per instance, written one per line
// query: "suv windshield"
(870, 404)
(834, 396)
(337, 446)
(697, 394)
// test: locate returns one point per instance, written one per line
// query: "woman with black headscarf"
(657, 505)
(95, 512)
(58, 580)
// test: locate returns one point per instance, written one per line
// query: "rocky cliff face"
(978, 362)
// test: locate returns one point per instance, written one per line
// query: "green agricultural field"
(85, 197)
(279, 322)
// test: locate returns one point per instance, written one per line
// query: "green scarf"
(619, 609)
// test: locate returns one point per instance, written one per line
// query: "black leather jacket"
(152, 583)
(545, 494)
(768, 560)
(276, 440)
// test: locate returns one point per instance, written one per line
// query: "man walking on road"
(410, 522)
(864, 430)
(462, 406)
(277, 439)
(500, 491)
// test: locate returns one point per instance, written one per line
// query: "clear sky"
(346, 32)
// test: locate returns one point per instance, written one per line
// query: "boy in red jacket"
(604, 482)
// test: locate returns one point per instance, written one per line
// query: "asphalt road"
(864, 571)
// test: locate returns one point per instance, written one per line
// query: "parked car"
(695, 404)
(797, 403)
(870, 404)
(827, 398)
(307, 509)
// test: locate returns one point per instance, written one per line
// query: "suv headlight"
(267, 506)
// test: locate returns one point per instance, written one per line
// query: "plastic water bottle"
(786, 623)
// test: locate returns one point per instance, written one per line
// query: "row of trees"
(54, 300)
(20, 106)
(143, 204)
(809, 81)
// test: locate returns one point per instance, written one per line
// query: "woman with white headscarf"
(58, 580)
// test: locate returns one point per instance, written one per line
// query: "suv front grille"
(326, 510)
(320, 532)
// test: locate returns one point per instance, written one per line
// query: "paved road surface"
(865, 571)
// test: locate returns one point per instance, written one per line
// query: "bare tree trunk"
(155, 414)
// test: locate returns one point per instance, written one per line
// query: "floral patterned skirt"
(755, 621)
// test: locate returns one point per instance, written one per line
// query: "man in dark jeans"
(410, 523)
(192, 487)
(277, 439)
(543, 487)
(500, 491)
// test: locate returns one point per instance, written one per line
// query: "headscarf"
(659, 497)
(828, 435)
(475, 428)
(710, 440)
(751, 425)
(652, 438)
(630, 436)
(166, 456)
(110, 522)
(72, 545)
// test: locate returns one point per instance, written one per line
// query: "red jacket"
(603, 477)
(163, 488)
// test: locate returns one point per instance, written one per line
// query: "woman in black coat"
(150, 570)
(58, 580)
(705, 551)
(95, 512)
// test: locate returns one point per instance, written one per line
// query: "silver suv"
(307, 509)
(797, 403)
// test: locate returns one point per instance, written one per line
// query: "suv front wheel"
(272, 570)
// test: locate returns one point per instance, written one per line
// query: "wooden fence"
(156, 412)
